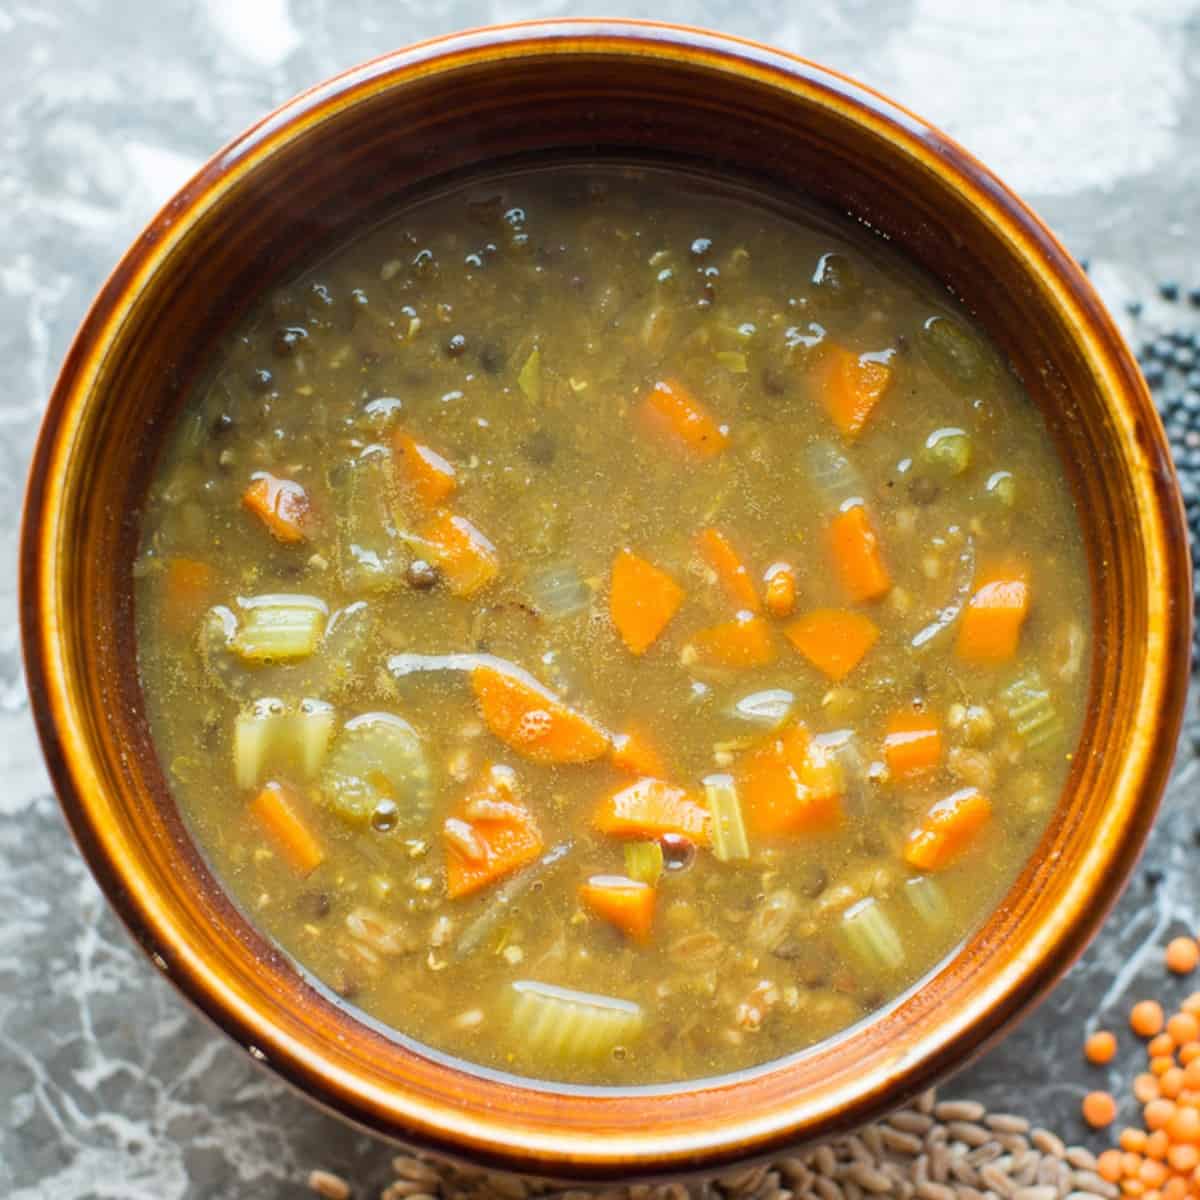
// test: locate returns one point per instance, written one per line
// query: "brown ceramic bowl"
(328, 162)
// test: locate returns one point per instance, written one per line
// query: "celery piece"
(948, 450)
(530, 378)
(832, 475)
(312, 727)
(644, 861)
(1031, 711)
(728, 829)
(559, 591)
(279, 628)
(371, 554)
(732, 360)
(928, 900)
(272, 737)
(769, 708)
(872, 937)
(378, 756)
(1003, 486)
(571, 1026)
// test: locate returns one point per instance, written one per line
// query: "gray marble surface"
(109, 1086)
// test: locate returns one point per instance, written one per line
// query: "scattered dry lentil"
(1182, 955)
(1146, 1018)
(1101, 1047)
(1099, 1109)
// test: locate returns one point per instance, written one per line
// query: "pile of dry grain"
(947, 1150)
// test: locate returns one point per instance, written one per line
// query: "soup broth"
(611, 628)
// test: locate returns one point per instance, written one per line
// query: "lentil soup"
(611, 628)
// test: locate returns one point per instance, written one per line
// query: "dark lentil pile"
(1170, 361)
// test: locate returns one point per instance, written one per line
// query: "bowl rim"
(732, 1136)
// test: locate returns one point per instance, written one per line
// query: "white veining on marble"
(1088, 94)
(262, 30)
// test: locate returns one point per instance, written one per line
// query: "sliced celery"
(928, 900)
(728, 830)
(272, 737)
(769, 708)
(530, 378)
(559, 591)
(644, 861)
(371, 554)
(1031, 711)
(733, 360)
(279, 628)
(502, 900)
(872, 937)
(948, 450)
(378, 756)
(571, 1026)
(831, 473)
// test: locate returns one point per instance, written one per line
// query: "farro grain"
(959, 1110)
(1048, 1143)
(1006, 1123)
(328, 1185)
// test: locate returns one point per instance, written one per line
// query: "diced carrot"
(276, 808)
(746, 641)
(947, 830)
(532, 720)
(422, 470)
(627, 903)
(991, 623)
(912, 743)
(282, 505)
(467, 559)
(790, 786)
(642, 601)
(780, 585)
(716, 550)
(635, 753)
(650, 808)
(187, 592)
(856, 557)
(851, 386)
(672, 412)
(833, 640)
(491, 834)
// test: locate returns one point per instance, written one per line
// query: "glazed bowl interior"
(330, 163)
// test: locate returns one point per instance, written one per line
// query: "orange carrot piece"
(947, 830)
(187, 591)
(422, 469)
(635, 753)
(790, 786)
(851, 386)
(746, 641)
(642, 601)
(650, 808)
(856, 557)
(780, 585)
(833, 640)
(532, 720)
(716, 550)
(276, 808)
(467, 559)
(912, 744)
(991, 623)
(490, 835)
(282, 505)
(626, 903)
(672, 412)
